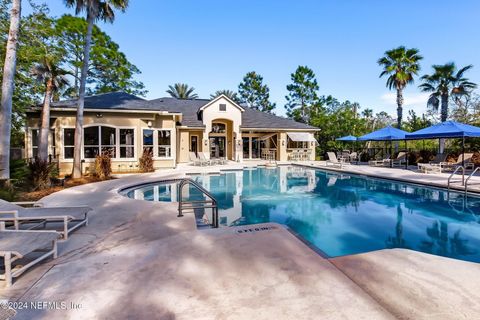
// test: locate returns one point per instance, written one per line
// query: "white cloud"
(411, 100)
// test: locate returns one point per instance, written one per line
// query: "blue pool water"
(343, 214)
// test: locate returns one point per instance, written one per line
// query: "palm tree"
(446, 82)
(7, 89)
(182, 91)
(54, 78)
(95, 9)
(229, 93)
(401, 65)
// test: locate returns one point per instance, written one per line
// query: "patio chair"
(380, 163)
(71, 218)
(195, 160)
(354, 157)
(430, 168)
(332, 160)
(439, 158)
(203, 158)
(16, 245)
(467, 159)
(400, 160)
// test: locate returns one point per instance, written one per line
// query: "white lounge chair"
(400, 160)
(15, 245)
(332, 160)
(203, 157)
(380, 163)
(466, 158)
(195, 160)
(71, 218)
(439, 158)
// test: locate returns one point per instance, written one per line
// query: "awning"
(347, 138)
(302, 137)
(388, 133)
(447, 129)
(267, 136)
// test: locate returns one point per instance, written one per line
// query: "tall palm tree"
(7, 89)
(182, 91)
(95, 9)
(400, 65)
(446, 82)
(54, 78)
(229, 93)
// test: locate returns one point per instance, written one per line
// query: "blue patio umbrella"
(447, 129)
(347, 138)
(388, 133)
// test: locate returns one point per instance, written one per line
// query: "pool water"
(342, 214)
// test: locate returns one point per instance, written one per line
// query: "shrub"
(39, 174)
(146, 161)
(103, 166)
(7, 191)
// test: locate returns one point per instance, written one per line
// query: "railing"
(210, 203)
(468, 178)
(453, 173)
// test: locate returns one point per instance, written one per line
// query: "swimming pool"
(342, 214)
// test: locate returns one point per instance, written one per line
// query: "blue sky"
(212, 44)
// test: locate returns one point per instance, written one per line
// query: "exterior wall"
(183, 143)
(232, 116)
(136, 121)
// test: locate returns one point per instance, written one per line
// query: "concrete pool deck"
(136, 259)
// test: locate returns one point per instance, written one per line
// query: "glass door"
(217, 147)
(194, 144)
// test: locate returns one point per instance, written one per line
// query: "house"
(124, 125)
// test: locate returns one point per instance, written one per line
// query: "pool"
(341, 214)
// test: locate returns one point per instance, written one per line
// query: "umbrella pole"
(406, 155)
(463, 151)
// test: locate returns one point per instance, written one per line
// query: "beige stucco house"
(172, 129)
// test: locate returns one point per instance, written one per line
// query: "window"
(98, 139)
(164, 143)
(218, 127)
(34, 143)
(68, 143)
(127, 143)
(148, 140)
(223, 107)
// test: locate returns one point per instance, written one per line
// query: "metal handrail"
(455, 171)
(212, 203)
(468, 178)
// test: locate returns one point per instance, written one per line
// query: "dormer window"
(223, 107)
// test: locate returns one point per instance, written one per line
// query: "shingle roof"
(189, 108)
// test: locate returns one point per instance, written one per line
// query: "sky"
(211, 45)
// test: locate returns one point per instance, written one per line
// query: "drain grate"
(255, 229)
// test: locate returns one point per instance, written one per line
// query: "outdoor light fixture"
(149, 124)
(283, 143)
(206, 142)
(239, 142)
(99, 115)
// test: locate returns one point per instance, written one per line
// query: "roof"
(447, 129)
(384, 134)
(251, 118)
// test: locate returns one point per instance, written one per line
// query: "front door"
(217, 147)
(194, 144)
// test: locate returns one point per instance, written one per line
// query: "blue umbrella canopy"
(388, 133)
(347, 138)
(447, 129)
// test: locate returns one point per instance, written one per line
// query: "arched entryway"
(220, 139)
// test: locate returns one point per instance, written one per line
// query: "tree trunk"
(399, 107)
(7, 89)
(443, 118)
(77, 153)
(45, 125)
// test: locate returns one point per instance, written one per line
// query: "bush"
(7, 191)
(146, 161)
(40, 172)
(103, 166)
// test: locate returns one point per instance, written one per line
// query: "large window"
(68, 143)
(218, 127)
(51, 143)
(97, 140)
(148, 140)
(127, 143)
(164, 144)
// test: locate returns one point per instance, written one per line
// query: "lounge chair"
(430, 168)
(195, 160)
(354, 157)
(380, 163)
(203, 158)
(19, 217)
(332, 160)
(400, 160)
(467, 158)
(15, 245)
(439, 158)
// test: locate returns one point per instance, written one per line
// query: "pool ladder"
(464, 181)
(209, 203)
